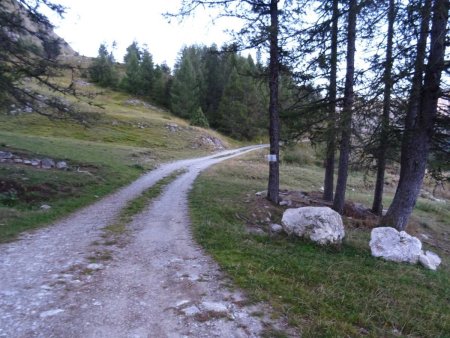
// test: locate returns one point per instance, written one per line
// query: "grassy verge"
(324, 292)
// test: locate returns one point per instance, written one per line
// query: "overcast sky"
(88, 23)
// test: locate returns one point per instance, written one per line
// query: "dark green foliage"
(199, 119)
(103, 71)
(241, 109)
(161, 85)
(185, 93)
(225, 85)
(139, 71)
(131, 83)
(147, 73)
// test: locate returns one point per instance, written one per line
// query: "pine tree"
(185, 91)
(420, 119)
(103, 71)
(147, 74)
(132, 81)
(347, 110)
(199, 119)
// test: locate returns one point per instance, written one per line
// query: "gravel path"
(158, 284)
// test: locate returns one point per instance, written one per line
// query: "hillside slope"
(118, 138)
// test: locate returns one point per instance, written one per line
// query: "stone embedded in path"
(214, 307)
(50, 313)
(392, 245)
(319, 224)
(95, 266)
(191, 310)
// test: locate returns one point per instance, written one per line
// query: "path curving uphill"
(160, 284)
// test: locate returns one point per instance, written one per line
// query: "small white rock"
(191, 310)
(276, 228)
(430, 260)
(95, 266)
(214, 307)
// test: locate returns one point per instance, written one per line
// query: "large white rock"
(430, 260)
(320, 224)
(392, 245)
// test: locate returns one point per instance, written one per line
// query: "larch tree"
(420, 121)
(377, 206)
(102, 70)
(347, 109)
(332, 98)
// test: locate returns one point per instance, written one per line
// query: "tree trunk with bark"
(347, 111)
(420, 124)
(377, 206)
(274, 118)
(328, 183)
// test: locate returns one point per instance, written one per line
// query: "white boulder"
(392, 245)
(429, 260)
(320, 224)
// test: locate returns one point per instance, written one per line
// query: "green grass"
(323, 291)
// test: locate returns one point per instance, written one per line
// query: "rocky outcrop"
(319, 224)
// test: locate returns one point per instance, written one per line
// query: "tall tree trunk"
(274, 127)
(347, 111)
(416, 141)
(328, 183)
(377, 206)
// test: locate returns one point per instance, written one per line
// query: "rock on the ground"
(45, 207)
(214, 307)
(6, 155)
(173, 127)
(50, 313)
(392, 245)
(61, 165)
(95, 266)
(320, 224)
(430, 260)
(47, 163)
(276, 228)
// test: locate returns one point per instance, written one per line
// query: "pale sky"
(88, 23)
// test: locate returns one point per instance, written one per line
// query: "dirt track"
(160, 284)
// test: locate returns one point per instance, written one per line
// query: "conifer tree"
(103, 71)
